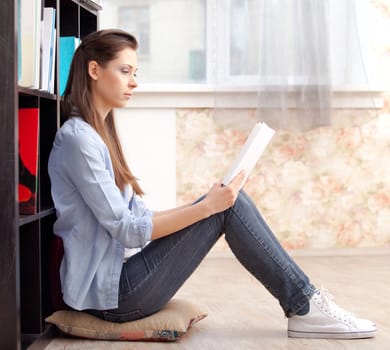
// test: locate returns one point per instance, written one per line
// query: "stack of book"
(29, 48)
(37, 47)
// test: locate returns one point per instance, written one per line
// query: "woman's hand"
(220, 197)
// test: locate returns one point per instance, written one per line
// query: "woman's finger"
(237, 181)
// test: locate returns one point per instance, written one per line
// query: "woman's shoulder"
(76, 126)
(75, 131)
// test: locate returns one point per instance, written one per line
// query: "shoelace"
(330, 307)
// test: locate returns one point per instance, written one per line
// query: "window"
(258, 44)
(136, 20)
(172, 36)
(201, 41)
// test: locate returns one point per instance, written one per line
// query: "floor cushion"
(169, 324)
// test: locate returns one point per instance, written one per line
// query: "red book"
(28, 159)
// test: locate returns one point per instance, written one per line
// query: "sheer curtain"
(287, 57)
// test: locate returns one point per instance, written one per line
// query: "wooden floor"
(243, 315)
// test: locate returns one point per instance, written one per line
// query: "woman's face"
(113, 85)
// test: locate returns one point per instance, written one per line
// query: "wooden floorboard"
(243, 315)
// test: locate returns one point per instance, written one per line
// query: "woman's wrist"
(205, 209)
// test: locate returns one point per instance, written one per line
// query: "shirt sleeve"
(85, 164)
(136, 203)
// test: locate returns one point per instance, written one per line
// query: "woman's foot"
(327, 320)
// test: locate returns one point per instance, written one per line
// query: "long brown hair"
(101, 46)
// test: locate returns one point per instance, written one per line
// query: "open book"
(253, 148)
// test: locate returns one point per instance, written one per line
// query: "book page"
(253, 148)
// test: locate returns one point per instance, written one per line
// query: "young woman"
(100, 213)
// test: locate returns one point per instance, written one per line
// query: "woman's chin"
(121, 104)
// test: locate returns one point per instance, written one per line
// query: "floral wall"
(325, 188)
(329, 187)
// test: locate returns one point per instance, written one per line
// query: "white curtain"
(287, 57)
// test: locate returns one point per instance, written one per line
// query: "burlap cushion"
(169, 324)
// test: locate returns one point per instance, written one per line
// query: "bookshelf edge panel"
(9, 252)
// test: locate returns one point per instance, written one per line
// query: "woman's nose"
(133, 83)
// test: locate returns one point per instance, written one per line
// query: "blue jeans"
(150, 278)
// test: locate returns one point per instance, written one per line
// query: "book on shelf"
(29, 42)
(254, 146)
(68, 45)
(28, 120)
(48, 49)
(52, 61)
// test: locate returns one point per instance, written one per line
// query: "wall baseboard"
(384, 250)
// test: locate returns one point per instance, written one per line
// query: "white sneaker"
(327, 320)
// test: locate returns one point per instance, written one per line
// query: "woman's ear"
(93, 69)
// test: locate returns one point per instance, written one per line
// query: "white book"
(47, 45)
(29, 33)
(52, 61)
(37, 48)
(253, 148)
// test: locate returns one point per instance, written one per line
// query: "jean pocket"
(123, 316)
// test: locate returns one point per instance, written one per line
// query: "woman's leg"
(256, 247)
(150, 278)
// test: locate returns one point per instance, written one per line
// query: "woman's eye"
(127, 71)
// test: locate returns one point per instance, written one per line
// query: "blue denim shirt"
(95, 220)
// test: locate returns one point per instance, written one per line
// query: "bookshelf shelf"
(25, 248)
(24, 91)
(25, 219)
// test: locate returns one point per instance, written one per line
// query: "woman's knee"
(241, 199)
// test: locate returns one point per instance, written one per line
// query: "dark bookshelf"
(24, 91)
(25, 219)
(89, 5)
(24, 252)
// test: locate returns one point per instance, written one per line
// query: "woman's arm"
(78, 163)
(168, 211)
(218, 199)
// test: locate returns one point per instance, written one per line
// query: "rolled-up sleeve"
(87, 168)
(139, 205)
